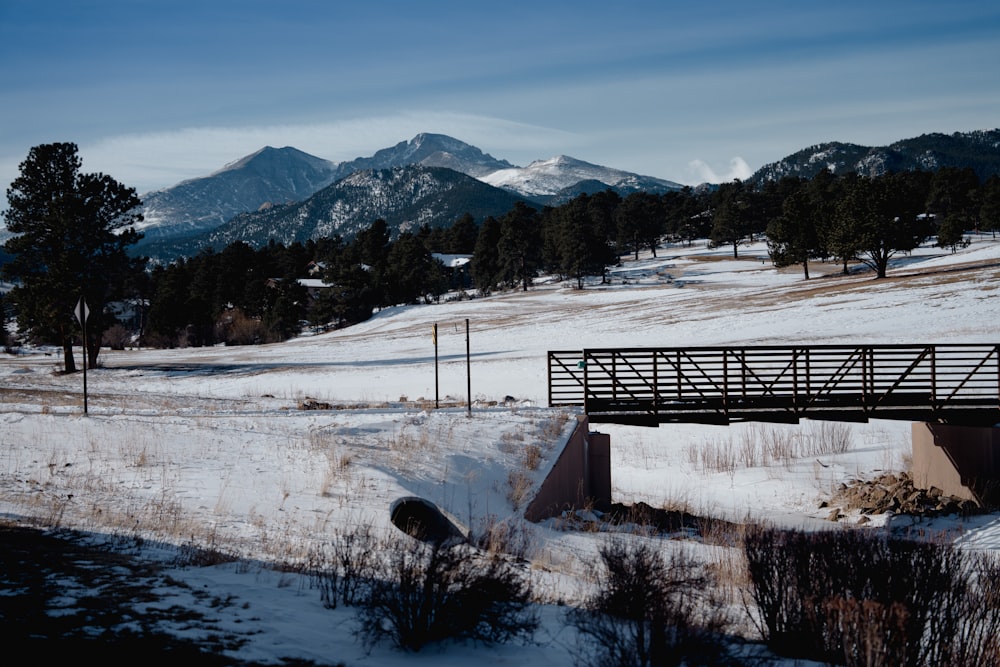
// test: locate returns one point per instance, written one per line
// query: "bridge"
(944, 384)
(951, 393)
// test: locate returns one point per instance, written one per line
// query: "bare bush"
(871, 633)
(715, 455)
(236, 328)
(749, 454)
(344, 569)
(552, 428)
(863, 598)
(7, 340)
(519, 487)
(648, 610)
(532, 457)
(497, 536)
(116, 337)
(192, 555)
(832, 438)
(766, 445)
(777, 444)
(430, 592)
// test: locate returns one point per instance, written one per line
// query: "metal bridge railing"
(957, 383)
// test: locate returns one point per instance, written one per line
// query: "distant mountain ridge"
(429, 150)
(405, 197)
(979, 150)
(241, 199)
(262, 186)
(276, 176)
(268, 175)
(556, 179)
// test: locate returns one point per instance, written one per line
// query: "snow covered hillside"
(210, 447)
(549, 177)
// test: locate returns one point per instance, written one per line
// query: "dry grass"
(532, 457)
(769, 444)
(519, 488)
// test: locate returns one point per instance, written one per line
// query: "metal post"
(437, 402)
(468, 369)
(82, 313)
(85, 364)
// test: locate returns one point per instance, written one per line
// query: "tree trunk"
(69, 363)
(805, 268)
(93, 350)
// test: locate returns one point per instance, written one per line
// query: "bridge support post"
(962, 461)
(579, 478)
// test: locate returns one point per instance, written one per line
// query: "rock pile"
(313, 404)
(894, 492)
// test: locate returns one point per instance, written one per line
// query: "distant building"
(313, 285)
(452, 261)
(316, 268)
(458, 269)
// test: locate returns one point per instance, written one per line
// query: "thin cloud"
(161, 159)
(738, 170)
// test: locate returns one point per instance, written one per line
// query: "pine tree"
(520, 246)
(989, 207)
(731, 214)
(792, 237)
(882, 214)
(71, 231)
(461, 237)
(640, 221)
(485, 267)
(576, 246)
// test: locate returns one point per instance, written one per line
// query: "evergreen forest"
(245, 295)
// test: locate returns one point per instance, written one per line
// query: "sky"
(157, 92)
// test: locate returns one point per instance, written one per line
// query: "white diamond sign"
(82, 312)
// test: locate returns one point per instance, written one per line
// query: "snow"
(209, 446)
(452, 261)
(549, 177)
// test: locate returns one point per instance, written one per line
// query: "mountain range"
(979, 150)
(405, 197)
(288, 195)
(200, 204)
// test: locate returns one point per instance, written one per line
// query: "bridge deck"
(957, 384)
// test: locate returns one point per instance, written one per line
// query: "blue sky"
(155, 92)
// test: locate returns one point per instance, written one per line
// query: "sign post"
(82, 312)
(437, 403)
(468, 369)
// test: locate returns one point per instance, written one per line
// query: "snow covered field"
(208, 447)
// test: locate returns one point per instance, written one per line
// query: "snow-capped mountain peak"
(546, 178)
(429, 150)
(270, 159)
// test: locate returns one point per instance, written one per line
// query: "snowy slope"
(208, 447)
(550, 177)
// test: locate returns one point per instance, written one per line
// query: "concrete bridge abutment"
(962, 461)
(579, 478)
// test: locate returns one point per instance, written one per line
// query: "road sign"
(82, 312)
